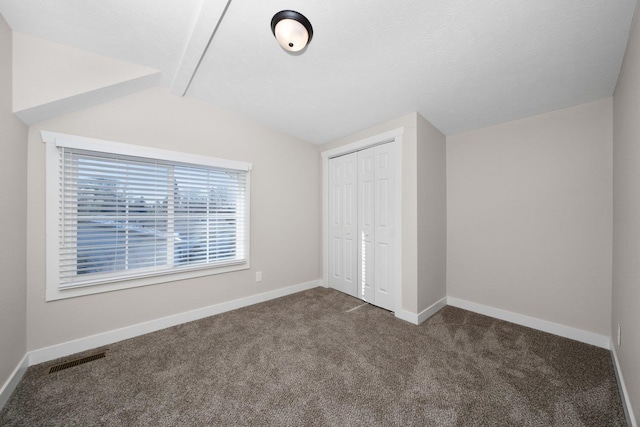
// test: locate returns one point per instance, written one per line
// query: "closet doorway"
(362, 209)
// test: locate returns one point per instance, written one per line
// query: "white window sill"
(57, 294)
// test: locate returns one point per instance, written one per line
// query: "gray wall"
(432, 214)
(285, 212)
(13, 214)
(530, 216)
(626, 217)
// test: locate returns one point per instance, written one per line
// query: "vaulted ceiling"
(460, 64)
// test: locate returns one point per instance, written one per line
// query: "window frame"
(54, 142)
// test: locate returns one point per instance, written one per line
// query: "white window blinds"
(125, 217)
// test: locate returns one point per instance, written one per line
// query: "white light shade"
(291, 35)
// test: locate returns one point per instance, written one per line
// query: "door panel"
(343, 223)
(383, 229)
(382, 269)
(335, 266)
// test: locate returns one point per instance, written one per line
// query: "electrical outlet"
(258, 276)
(619, 334)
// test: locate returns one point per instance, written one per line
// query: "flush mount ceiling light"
(292, 30)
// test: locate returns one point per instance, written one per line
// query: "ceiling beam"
(209, 18)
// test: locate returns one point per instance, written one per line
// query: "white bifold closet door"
(361, 209)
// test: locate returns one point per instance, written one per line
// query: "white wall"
(13, 212)
(626, 217)
(432, 214)
(407, 121)
(530, 216)
(68, 71)
(285, 212)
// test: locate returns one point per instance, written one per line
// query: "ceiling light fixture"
(292, 30)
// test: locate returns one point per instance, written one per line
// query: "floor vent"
(76, 362)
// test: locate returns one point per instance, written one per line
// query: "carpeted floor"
(305, 359)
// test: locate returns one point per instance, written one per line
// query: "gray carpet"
(305, 360)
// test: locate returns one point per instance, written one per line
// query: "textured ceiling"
(461, 64)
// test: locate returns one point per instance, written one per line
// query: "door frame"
(393, 137)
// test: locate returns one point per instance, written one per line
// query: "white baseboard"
(417, 319)
(532, 322)
(407, 316)
(10, 385)
(82, 344)
(431, 310)
(626, 403)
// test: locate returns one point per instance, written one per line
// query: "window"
(121, 216)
